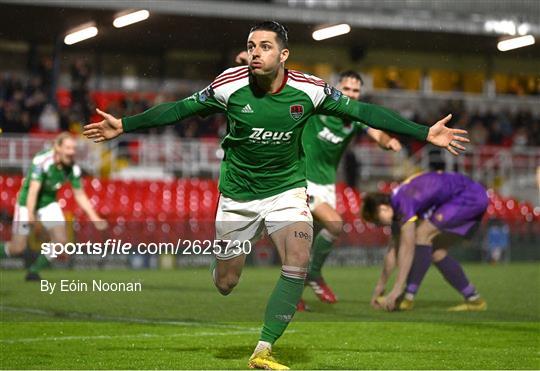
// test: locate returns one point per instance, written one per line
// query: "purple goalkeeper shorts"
(463, 213)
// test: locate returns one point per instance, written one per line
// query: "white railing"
(16, 151)
(189, 157)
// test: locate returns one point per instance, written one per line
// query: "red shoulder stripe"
(304, 80)
(303, 77)
(231, 79)
(230, 74)
(309, 78)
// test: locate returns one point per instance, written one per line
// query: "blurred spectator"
(393, 80)
(497, 240)
(352, 168)
(45, 72)
(49, 120)
(478, 133)
(495, 134)
(80, 75)
(23, 103)
(520, 138)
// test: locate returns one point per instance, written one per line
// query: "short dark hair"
(352, 74)
(371, 203)
(280, 30)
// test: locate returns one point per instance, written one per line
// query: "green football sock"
(282, 303)
(40, 263)
(3, 253)
(322, 246)
(213, 265)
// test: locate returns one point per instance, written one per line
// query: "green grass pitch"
(179, 321)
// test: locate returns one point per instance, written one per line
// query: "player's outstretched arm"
(108, 128)
(201, 103)
(385, 119)
(448, 138)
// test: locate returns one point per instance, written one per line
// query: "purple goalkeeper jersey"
(451, 201)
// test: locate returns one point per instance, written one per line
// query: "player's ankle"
(262, 345)
(409, 296)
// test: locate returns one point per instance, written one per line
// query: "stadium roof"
(212, 24)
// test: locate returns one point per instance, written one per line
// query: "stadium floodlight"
(130, 18)
(81, 33)
(332, 31)
(515, 42)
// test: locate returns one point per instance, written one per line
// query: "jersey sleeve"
(201, 103)
(75, 177)
(406, 213)
(360, 126)
(337, 104)
(405, 210)
(37, 172)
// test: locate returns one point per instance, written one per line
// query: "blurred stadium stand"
(422, 58)
(147, 210)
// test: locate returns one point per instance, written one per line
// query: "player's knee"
(16, 248)
(226, 284)
(303, 258)
(60, 239)
(298, 257)
(438, 255)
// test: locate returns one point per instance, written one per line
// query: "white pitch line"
(133, 336)
(99, 317)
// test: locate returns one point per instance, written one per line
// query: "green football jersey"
(263, 148)
(325, 139)
(51, 177)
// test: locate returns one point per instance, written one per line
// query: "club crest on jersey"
(296, 111)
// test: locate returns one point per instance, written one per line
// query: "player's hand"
(446, 137)
(100, 224)
(109, 128)
(377, 293)
(241, 58)
(393, 145)
(390, 302)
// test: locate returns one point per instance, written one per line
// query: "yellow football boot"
(263, 360)
(405, 304)
(478, 305)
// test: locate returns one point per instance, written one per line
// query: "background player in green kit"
(36, 200)
(325, 139)
(262, 180)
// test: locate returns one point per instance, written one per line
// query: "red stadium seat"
(169, 208)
